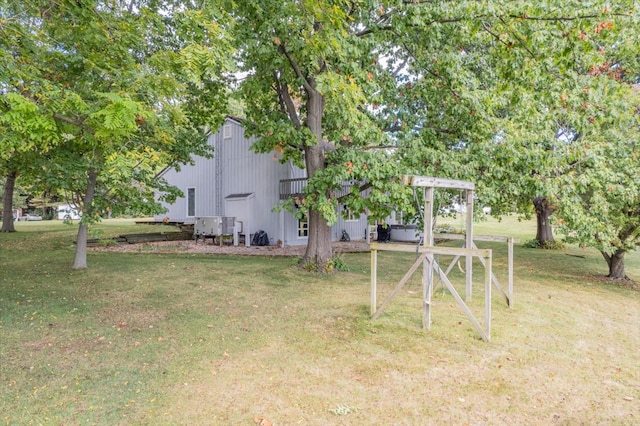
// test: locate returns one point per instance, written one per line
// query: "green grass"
(148, 338)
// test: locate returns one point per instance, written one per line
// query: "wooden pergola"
(426, 257)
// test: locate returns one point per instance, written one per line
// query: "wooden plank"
(145, 238)
(446, 251)
(178, 236)
(435, 182)
(428, 217)
(374, 281)
(452, 264)
(427, 290)
(427, 256)
(141, 235)
(495, 282)
(510, 271)
(469, 244)
(485, 238)
(508, 295)
(487, 296)
(401, 284)
(465, 308)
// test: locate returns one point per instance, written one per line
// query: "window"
(350, 215)
(303, 227)
(226, 131)
(191, 202)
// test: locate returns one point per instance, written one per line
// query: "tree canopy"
(363, 91)
(532, 101)
(106, 93)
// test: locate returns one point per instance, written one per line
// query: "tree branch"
(524, 46)
(296, 68)
(78, 123)
(387, 16)
(361, 188)
(286, 102)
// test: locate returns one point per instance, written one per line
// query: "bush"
(549, 245)
(339, 264)
(335, 264)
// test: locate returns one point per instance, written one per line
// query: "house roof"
(236, 119)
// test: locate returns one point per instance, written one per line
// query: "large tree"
(12, 199)
(578, 100)
(313, 71)
(598, 198)
(124, 88)
(330, 84)
(556, 99)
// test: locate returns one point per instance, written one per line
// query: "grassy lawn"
(180, 338)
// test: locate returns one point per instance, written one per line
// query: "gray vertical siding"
(235, 169)
(197, 176)
(247, 172)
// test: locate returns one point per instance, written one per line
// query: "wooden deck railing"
(291, 188)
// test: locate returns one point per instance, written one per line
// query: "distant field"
(165, 339)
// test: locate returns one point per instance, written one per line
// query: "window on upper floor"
(350, 215)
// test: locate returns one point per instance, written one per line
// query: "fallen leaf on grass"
(262, 421)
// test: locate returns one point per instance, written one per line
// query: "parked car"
(30, 217)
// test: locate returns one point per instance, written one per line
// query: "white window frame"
(191, 195)
(351, 216)
(226, 131)
(303, 227)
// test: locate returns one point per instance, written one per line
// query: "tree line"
(538, 104)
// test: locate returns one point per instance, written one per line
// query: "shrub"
(548, 245)
(339, 264)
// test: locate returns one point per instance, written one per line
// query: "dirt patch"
(209, 248)
(622, 283)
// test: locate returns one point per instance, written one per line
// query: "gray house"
(239, 183)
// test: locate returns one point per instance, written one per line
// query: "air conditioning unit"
(213, 226)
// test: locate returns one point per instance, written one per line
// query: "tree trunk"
(544, 232)
(319, 252)
(80, 259)
(615, 262)
(7, 203)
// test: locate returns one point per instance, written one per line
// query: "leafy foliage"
(106, 94)
(364, 91)
(556, 245)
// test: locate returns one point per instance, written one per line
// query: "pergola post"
(469, 244)
(374, 280)
(427, 270)
(428, 251)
